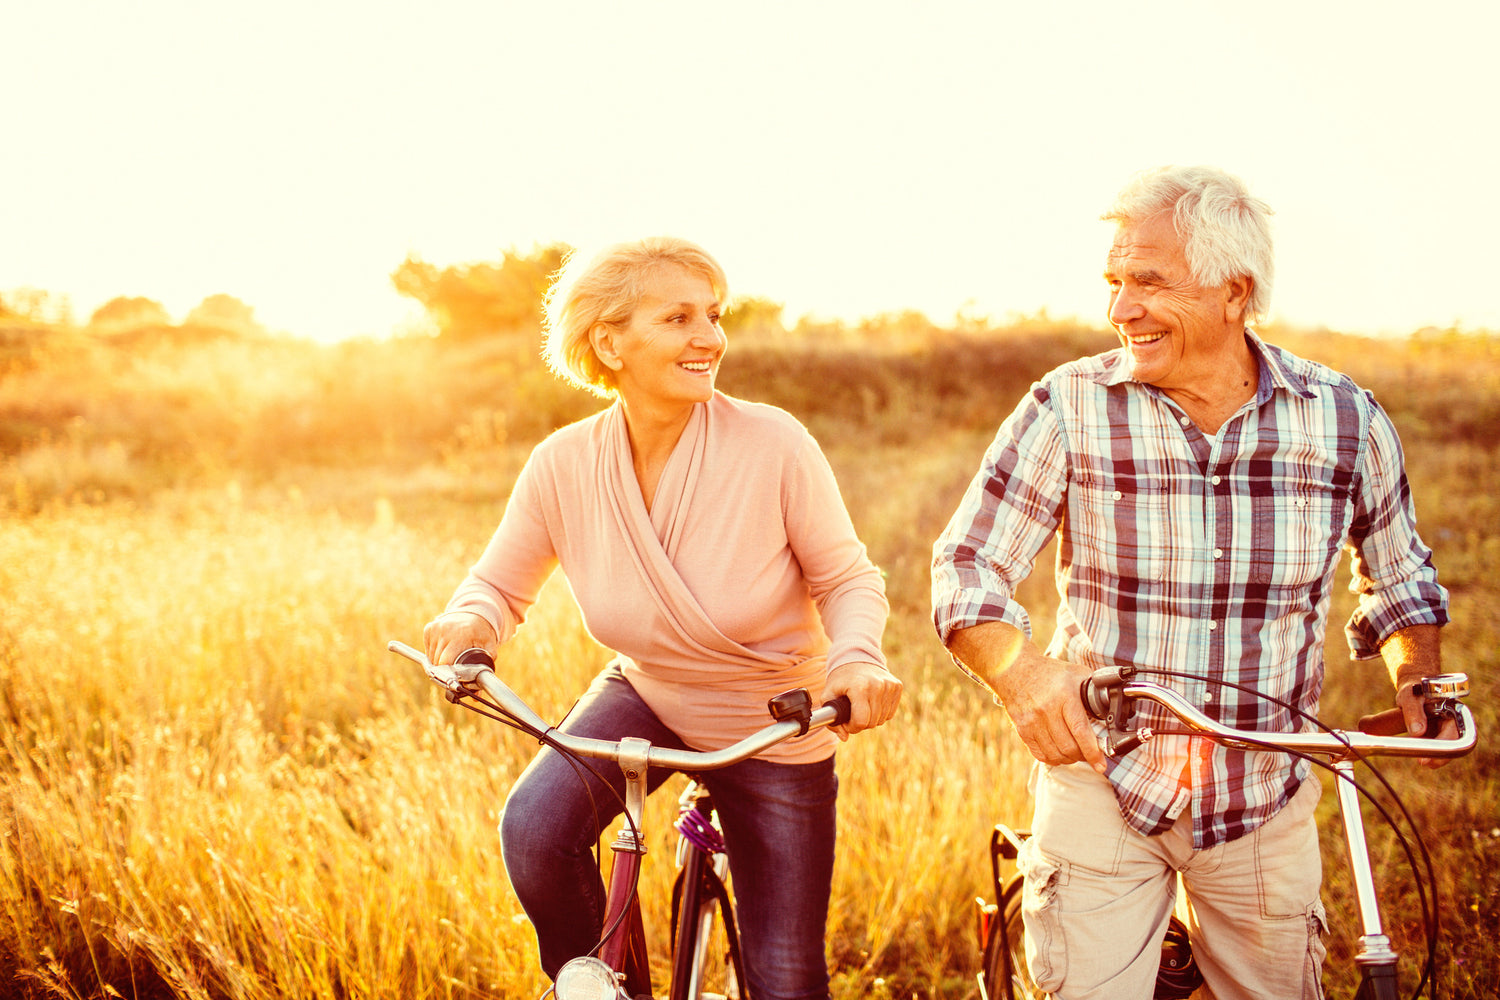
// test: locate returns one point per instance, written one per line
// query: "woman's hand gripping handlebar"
(1110, 695)
(473, 674)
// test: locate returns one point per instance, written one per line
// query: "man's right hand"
(451, 633)
(1039, 693)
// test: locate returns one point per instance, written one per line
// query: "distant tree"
(224, 312)
(751, 317)
(472, 300)
(124, 313)
(37, 305)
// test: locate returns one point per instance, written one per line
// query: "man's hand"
(1411, 654)
(873, 691)
(1039, 693)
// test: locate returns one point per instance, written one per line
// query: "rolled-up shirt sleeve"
(1006, 517)
(1392, 569)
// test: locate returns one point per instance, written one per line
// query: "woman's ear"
(602, 339)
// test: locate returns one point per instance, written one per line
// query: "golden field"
(216, 782)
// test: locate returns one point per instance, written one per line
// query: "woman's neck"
(654, 433)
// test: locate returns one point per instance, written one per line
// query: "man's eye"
(713, 318)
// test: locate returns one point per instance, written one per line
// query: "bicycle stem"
(629, 847)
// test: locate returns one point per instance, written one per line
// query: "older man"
(1202, 484)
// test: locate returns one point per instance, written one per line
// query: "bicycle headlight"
(586, 979)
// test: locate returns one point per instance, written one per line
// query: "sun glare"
(845, 161)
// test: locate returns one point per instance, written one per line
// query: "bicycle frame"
(619, 970)
(1109, 695)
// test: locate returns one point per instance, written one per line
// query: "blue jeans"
(779, 824)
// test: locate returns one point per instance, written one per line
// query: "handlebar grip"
(842, 709)
(1392, 722)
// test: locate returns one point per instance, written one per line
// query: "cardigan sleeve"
(519, 558)
(846, 586)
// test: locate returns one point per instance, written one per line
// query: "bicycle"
(702, 906)
(1110, 695)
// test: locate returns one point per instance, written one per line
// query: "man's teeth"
(1145, 338)
(697, 366)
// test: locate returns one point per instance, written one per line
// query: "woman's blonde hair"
(606, 288)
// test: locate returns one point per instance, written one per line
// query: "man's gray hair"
(1225, 232)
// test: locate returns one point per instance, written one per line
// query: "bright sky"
(845, 158)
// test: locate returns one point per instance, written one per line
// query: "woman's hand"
(873, 691)
(451, 633)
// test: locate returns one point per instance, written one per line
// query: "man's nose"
(1123, 306)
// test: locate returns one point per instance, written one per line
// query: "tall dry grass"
(216, 782)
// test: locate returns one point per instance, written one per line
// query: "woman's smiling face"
(669, 351)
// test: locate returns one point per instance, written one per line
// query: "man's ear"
(1237, 292)
(602, 339)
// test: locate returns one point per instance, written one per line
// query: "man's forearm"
(988, 650)
(1412, 653)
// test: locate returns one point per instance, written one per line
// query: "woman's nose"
(709, 334)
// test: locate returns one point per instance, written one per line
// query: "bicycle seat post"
(1374, 947)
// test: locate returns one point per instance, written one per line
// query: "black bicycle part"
(697, 885)
(1103, 696)
(796, 706)
(1006, 976)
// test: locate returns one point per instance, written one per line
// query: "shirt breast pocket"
(1118, 527)
(1295, 534)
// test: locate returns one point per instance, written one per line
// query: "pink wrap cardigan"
(744, 579)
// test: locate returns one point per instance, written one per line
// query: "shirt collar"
(1275, 373)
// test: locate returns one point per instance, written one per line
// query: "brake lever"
(1104, 698)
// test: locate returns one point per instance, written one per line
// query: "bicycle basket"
(1177, 976)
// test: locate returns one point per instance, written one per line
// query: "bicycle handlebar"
(1108, 695)
(463, 679)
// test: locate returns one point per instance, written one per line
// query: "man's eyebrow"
(1144, 275)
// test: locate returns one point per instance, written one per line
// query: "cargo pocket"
(1312, 973)
(1046, 950)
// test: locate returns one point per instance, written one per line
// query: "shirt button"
(1215, 480)
(1212, 626)
(1118, 495)
(1218, 553)
(1208, 696)
(1184, 421)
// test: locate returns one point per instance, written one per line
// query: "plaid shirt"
(1214, 556)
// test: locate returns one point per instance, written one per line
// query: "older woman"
(706, 543)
